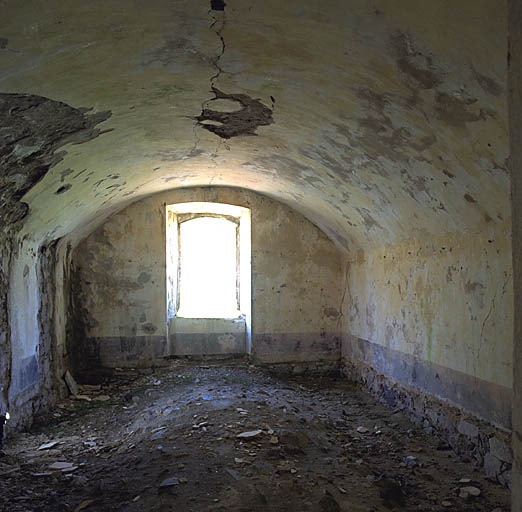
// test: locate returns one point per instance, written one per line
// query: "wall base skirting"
(319, 368)
(296, 347)
(482, 398)
(468, 435)
(236, 358)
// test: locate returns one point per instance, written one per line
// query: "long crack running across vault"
(251, 113)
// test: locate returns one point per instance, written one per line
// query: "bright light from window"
(208, 268)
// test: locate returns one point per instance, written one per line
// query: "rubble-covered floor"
(168, 440)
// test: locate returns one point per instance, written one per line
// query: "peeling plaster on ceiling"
(376, 128)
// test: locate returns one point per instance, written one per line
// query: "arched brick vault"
(385, 124)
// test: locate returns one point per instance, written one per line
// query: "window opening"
(208, 263)
(208, 268)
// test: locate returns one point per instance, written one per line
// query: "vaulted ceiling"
(377, 120)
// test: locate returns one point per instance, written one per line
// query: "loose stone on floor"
(194, 437)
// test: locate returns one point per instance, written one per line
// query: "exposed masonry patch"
(244, 121)
(32, 128)
(465, 433)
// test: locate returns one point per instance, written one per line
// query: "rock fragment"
(63, 466)
(47, 446)
(71, 383)
(466, 492)
(169, 482)
(250, 434)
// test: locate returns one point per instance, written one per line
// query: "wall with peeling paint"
(515, 83)
(33, 128)
(371, 124)
(35, 363)
(437, 315)
(121, 271)
(385, 124)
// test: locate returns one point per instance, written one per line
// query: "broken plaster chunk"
(211, 122)
(85, 398)
(244, 119)
(71, 383)
(465, 492)
(250, 434)
(65, 467)
(169, 482)
(47, 446)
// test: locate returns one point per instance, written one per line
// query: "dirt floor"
(230, 437)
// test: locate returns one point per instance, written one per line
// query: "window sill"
(236, 317)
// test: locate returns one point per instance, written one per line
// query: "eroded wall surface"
(515, 78)
(121, 282)
(435, 315)
(34, 129)
(379, 121)
(208, 336)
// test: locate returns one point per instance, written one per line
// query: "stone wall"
(5, 336)
(467, 434)
(515, 86)
(120, 281)
(37, 364)
(431, 320)
(33, 129)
